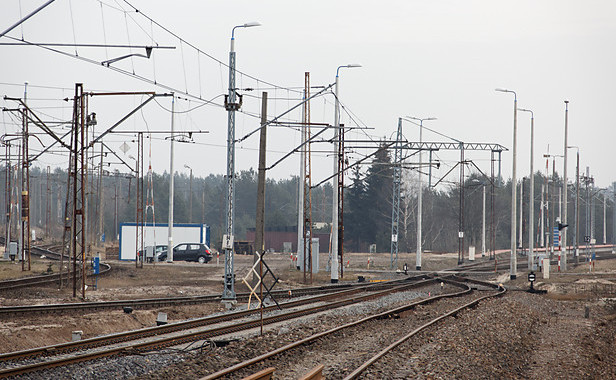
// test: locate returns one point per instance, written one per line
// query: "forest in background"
(367, 202)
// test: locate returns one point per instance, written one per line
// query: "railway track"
(341, 343)
(148, 303)
(46, 279)
(502, 262)
(142, 340)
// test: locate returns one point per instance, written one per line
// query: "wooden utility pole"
(260, 217)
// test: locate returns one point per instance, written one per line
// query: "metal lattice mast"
(395, 211)
(492, 212)
(25, 196)
(68, 214)
(307, 183)
(461, 216)
(78, 230)
(15, 195)
(231, 106)
(341, 170)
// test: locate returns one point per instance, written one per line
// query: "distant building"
(275, 238)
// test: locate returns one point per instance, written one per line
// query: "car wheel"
(201, 260)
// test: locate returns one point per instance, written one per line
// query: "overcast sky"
(438, 59)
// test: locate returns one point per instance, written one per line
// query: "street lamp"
(231, 106)
(191, 195)
(337, 179)
(420, 192)
(513, 262)
(531, 205)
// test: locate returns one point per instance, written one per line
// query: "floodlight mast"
(531, 203)
(564, 219)
(336, 180)
(513, 260)
(228, 294)
(420, 192)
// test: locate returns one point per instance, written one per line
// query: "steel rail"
(375, 358)
(192, 336)
(182, 300)
(198, 322)
(43, 279)
(249, 362)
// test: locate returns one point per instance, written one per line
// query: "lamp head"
(420, 119)
(350, 66)
(246, 25)
(510, 91)
(251, 24)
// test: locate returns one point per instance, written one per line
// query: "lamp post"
(420, 192)
(531, 204)
(336, 179)
(231, 106)
(564, 220)
(171, 187)
(513, 261)
(191, 195)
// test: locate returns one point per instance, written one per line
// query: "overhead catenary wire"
(204, 53)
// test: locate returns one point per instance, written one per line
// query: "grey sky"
(421, 58)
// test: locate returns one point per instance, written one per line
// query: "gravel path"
(517, 336)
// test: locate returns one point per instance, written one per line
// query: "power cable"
(202, 52)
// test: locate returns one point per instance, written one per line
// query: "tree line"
(367, 206)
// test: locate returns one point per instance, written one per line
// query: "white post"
(531, 196)
(541, 216)
(170, 228)
(521, 212)
(564, 216)
(513, 259)
(604, 227)
(419, 201)
(483, 224)
(335, 179)
(302, 181)
(334, 253)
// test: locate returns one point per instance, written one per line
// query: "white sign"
(227, 241)
(394, 238)
(124, 147)
(460, 234)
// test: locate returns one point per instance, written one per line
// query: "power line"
(206, 54)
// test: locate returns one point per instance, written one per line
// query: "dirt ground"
(181, 278)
